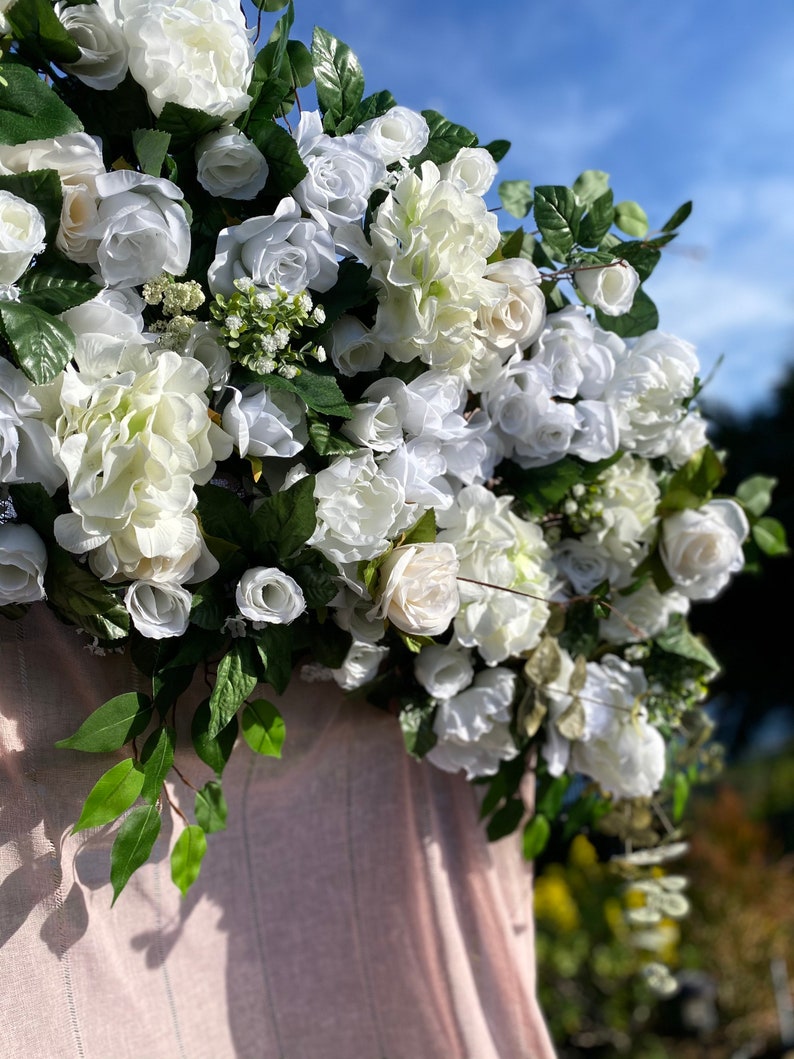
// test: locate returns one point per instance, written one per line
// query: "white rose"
(193, 52)
(518, 316)
(597, 433)
(343, 171)
(611, 289)
(473, 728)
(417, 591)
(374, 425)
(283, 250)
(103, 51)
(25, 440)
(472, 168)
(267, 596)
(142, 228)
(353, 348)
(205, 346)
(265, 422)
(642, 614)
(21, 236)
(585, 565)
(701, 549)
(360, 665)
(229, 165)
(157, 609)
(23, 563)
(397, 134)
(688, 437)
(443, 671)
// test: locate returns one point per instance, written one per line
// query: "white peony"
(141, 227)
(103, 50)
(229, 165)
(611, 288)
(282, 250)
(23, 563)
(196, 53)
(21, 236)
(473, 727)
(158, 610)
(266, 595)
(701, 549)
(417, 591)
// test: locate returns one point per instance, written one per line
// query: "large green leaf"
(222, 514)
(643, 316)
(83, 599)
(446, 139)
(151, 147)
(42, 188)
(186, 857)
(263, 728)
(235, 680)
(211, 808)
(39, 31)
(157, 757)
(536, 836)
(516, 197)
(274, 648)
(41, 344)
(756, 493)
(30, 109)
(214, 751)
(133, 845)
(287, 519)
(283, 158)
(338, 77)
(590, 186)
(111, 795)
(185, 125)
(557, 215)
(56, 284)
(113, 724)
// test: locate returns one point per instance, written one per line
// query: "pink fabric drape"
(351, 910)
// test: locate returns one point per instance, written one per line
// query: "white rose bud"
(418, 590)
(267, 596)
(443, 671)
(611, 288)
(399, 133)
(229, 165)
(360, 665)
(701, 549)
(158, 609)
(23, 562)
(21, 236)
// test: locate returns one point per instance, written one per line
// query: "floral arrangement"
(278, 395)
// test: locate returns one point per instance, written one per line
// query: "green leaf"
(677, 639)
(270, 5)
(263, 728)
(185, 125)
(42, 188)
(643, 316)
(542, 488)
(350, 291)
(214, 751)
(643, 257)
(536, 836)
(283, 158)
(287, 519)
(112, 794)
(327, 442)
(497, 149)
(157, 757)
(30, 109)
(42, 346)
(513, 243)
(516, 197)
(550, 801)
(416, 724)
(597, 221)
(37, 29)
(678, 217)
(274, 52)
(115, 723)
(321, 393)
(694, 482)
(151, 147)
(186, 857)
(55, 284)
(338, 76)
(680, 796)
(423, 531)
(222, 514)
(446, 139)
(770, 536)
(83, 599)
(211, 808)
(505, 820)
(235, 680)
(557, 215)
(756, 493)
(133, 845)
(374, 106)
(631, 219)
(590, 186)
(316, 576)
(298, 62)
(274, 649)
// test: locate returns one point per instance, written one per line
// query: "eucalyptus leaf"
(416, 724)
(133, 845)
(572, 723)
(632, 219)
(516, 197)
(756, 493)
(112, 795)
(210, 808)
(770, 536)
(41, 344)
(157, 757)
(338, 78)
(30, 109)
(263, 728)
(186, 857)
(113, 724)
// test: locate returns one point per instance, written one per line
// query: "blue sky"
(686, 100)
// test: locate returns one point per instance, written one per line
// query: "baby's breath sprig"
(260, 328)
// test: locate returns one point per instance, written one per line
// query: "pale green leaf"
(112, 794)
(133, 845)
(115, 723)
(186, 857)
(210, 808)
(632, 219)
(263, 728)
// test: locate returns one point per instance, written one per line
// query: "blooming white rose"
(267, 596)
(518, 317)
(611, 288)
(25, 440)
(196, 53)
(585, 564)
(21, 236)
(342, 173)
(103, 50)
(397, 134)
(265, 422)
(283, 250)
(375, 425)
(158, 609)
(417, 590)
(229, 165)
(701, 549)
(473, 728)
(688, 437)
(473, 168)
(443, 671)
(352, 347)
(642, 614)
(141, 227)
(360, 665)
(23, 563)
(205, 345)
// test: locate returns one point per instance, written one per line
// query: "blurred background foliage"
(740, 865)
